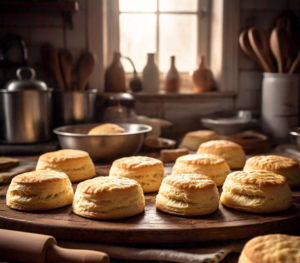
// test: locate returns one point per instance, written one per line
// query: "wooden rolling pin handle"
(24, 247)
(58, 254)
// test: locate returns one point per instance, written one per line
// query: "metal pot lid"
(26, 84)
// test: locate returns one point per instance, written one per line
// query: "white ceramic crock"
(280, 104)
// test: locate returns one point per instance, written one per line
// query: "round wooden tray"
(152, 226)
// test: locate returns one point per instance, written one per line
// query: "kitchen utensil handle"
(31, 70)
(58, 254)
(256, 36)
(295, 63)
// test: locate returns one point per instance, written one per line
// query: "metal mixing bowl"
(104, 148)
(295, 136)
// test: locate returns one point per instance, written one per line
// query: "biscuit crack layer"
(17, 194)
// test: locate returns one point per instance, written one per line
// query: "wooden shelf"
(45, 6)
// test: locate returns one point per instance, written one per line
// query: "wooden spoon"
(260, 45)
(86, 67)
(246, 46)
(280, 46)
(66, 62)
(295, 63)
(49, 57)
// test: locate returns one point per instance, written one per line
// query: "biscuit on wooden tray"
(210, 165)
(193, 139)
(256, 192)
(188, 195)
(74, 163)
(108, 198)
(233, 153)
(275, 248)
(284, 166)
(39, 190)
(147, 171)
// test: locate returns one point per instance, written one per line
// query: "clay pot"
(115, 80)
(173, 79)
(202, 78)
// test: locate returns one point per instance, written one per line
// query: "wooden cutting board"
(152, 226)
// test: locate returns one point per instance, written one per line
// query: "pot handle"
(19, 71)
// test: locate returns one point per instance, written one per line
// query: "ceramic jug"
(115, 80)
(151, 75)
(173, 78)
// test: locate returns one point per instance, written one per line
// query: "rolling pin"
(27, 247)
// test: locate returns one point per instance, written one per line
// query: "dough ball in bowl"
(107, 128)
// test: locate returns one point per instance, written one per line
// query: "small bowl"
(104, 148)
(229, 123)
(295, 134)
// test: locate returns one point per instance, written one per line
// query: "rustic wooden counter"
(152, 226)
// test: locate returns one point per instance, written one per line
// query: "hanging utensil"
(295, 63)
(247, 48)
(86, 67)
(14, 51)
(51, 63)
(66, 62)
(279, 44)
(260, 45)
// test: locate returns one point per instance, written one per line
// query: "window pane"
(178, 5)
(178, 37)
(137, 5)
(137, 38)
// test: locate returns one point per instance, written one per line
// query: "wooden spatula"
(279, 44)
(51, 63)
(66, 63)
(260, 45)
(86, 67)
(295, 63)
(247, 48)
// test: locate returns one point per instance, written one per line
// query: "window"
(164, 27)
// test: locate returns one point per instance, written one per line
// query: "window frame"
(222, 27)
(203, 20)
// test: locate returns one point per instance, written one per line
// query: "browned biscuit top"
(275, 248)
(256, 177)
(272, 162)
(40, 176)
(137, 162)
(201, 159)
(106, 184)
(63, 155)
(190, 181)
(217, 144)
(201, 133)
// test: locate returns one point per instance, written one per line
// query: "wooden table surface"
(152, 226)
